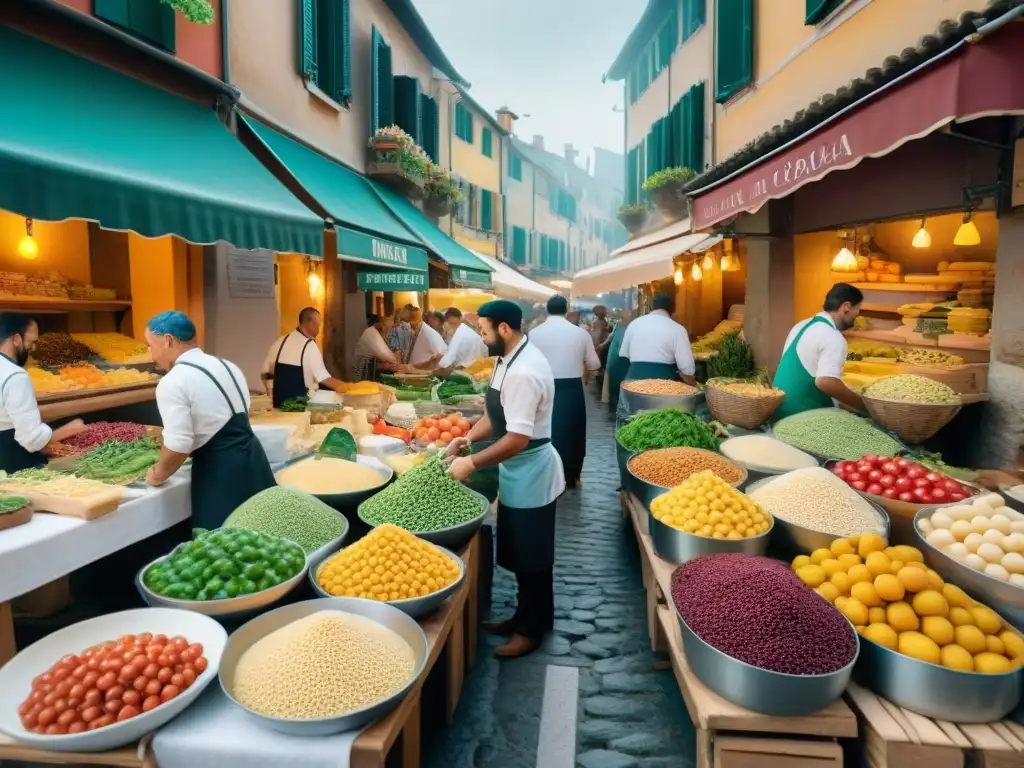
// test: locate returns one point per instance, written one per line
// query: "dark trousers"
(535, 603)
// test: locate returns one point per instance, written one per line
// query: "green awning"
(367, 229)
(391, 280)
(468, 278)
(80, 141)
(444, 247)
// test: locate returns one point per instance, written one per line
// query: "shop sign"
(391, 280)
(469, 278)
(250, 274)
(363, 247)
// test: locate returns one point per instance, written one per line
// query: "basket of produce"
(831, 433)
(925, 644)
(426, 408)
(680, 530)
(435, 431)
(14, 511)
(764, 456)
(742, 403)
(653, 473)
(427, 502)
(911, 406)
(423, 575)
(228, 572)
(401, 415)
(119, 702)
(652, 394)
(323, 666)
(812, 507)
(802, 654)
(338, 483)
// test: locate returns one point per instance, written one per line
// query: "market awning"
(464, 269)
(367, 230)
(975, 80)
(80, 141)
(511, 284)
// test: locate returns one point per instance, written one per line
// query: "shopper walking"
(617, 366)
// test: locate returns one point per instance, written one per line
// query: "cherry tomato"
(139, 661)
(60, 705)
(30, 720)
(154, 652)
(169, 692)
(113, 706)
(200, 664)
(890, 493)
(91, 713)
(854, 477)
(164, 660)
(921, 495)
(151, 702)
(875, 488)
(79, 671)
(165, 674)
(887, 481)
(904, 483)
(93, 697)
(77, 691)
(151, 670)
(190, 677)
(160, 639)
(56, 729)
(101, 722)
(185, 658)
(875, 475)
(957, 496)
(78, 726)
(47, 716)
(93, 663)
(127, 711)
(140, 683)
(127, 674)
(153, 688)
(178, 679)
(173, 658)
(107, 681)
(939, 494)
(860, 485)
(51, 697)
(64, 687)
(132, 698)
(67, 717)
(145, 638)
(180, 642)
(117, 692)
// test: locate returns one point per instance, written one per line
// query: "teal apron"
(569, 426)
(617, 366)
(652, 371)
(289, 380)
(13, 457)
(802, 394)
(229, 469)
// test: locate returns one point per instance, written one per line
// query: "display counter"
(66, 405)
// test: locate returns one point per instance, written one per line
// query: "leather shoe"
(519, 645)
(506, 627)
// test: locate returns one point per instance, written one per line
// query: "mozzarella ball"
(973, 541)
(991, 500)
(940, 539)
(926, 527)
(958, 550)
(1014, 542)
(976, 562)
(1013, 562)
(961, 529)
(1017, 579)
(997, 571)
(959, 512)
(1010, 513)
(1017, 526)
(940, 520)
(980, 523)
(992, 536)
(1000, 522)
(990, 553)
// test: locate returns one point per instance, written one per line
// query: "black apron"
(289, 380)
(229, 469)
(12, 456)
(526, 536)
(569, 426)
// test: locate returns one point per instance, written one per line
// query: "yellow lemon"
(831, 566)
(956, 657)
(901, 617)
(919, 647)
(800, 561)
(994, 645)
(930, 603)
(811, 575)
(870, 542)
(1013, 643)
(864, 591)
(840, 601)
(934, 580)
(849, 561)
(909, 554)
(820, 554)
(970, 637)
(991, 663)
(960, 616)
(938, 629)
(854, 540)
(889, 588)
(895, 565)
(956, 597)
(860, 573)
(884, 635)
(828, 591)
(860, 628)
(878, 563)
(876, 615)
(919, 566)
(842, 582)
(841, 547)
(855, 611)
(913, 579)
(988, 621)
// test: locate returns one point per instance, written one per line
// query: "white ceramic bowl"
(16, 676)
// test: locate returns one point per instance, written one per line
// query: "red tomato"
(921, 495)
(127, 711)
(904, 484)
(914, 472)
(860, 485)
(887, 481)
(875, 475)
(871, 459)
(889, 493)
(445, 438)
(939, 494)
(863, 467)
(875, 488)
(47, 716)
(77, 727)
(113, 706)
(848, 466)
(922, 482)
(957, 496)
(117, 692)
(433, 433)
(200, 665)
(951, 485)
(891, 468)
(854, 477)
(899, 461)
(456, 432)
(905, 496)
(837, 470)
(444, 425)
(107, 681)
(190, 677)
(165, 674)
(153, 688)
(67, 717)
(133, 698)
(151, 702)
(169, 692)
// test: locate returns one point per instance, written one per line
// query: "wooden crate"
(893, 737)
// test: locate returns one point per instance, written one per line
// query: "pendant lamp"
(922, 239)
(708, 263)
(677, 276)
(28, 248)
(968, 233)
(695, 273)
(844, 261)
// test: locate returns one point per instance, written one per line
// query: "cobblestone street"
(629, 714)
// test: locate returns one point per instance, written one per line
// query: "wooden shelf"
(62, 405)
(909, 287)
(51, 305)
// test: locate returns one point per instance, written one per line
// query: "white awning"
(510, 284)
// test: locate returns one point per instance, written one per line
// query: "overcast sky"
(542, 58)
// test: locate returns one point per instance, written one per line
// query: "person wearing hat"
(658, 347)
(519, 403)
(204, 406)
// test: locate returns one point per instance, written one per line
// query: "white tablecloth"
(50, 546)
(213, 731)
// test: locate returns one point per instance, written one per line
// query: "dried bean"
(668, 467)
(58, 349)
(662, 387)
(101, 431)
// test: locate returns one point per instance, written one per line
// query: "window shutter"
(695, 129)
(515, 166)
(817, 10)
(485, 142)
(375, 89)
(429, 126)
(734, 42)
(113, 11)
(307, 38)
(486, 212)
(631, 174)
(382, 112)
(151, 20)
(693, 16)
(408, 113)
(333, 48)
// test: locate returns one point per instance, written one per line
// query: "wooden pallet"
(893, 737)
(728, 735)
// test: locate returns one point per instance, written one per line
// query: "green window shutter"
(543, 257)
(696, 128)
(429, 126)
(473, 221)
(631, 174)
(485, 142)
(486, 212)
(307, 37)
(463, 123)
(515, 167)
(408, 106)
(150, 20)
(817, 10)
(382, 112)
(113, 11)
(693, 16)
(333, 48)
(734, 44)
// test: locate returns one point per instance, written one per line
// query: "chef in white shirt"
(464, 346)
(658, 347)
(204, 406)
(294, 363)
(371, 349)
(518, 407)
(23, 435)
(571, 354)
(427, 347)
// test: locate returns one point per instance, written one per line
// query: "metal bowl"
(261, 626)
(938, 692)
(454, 537)
(756, 472)
(762, 690)
(634, 402)
(352, 499)
(1001, 596)
(318, 554)
(622, 456)
(648, 492)
(798, 538)
(413, 606)
(822, 459)
(677, 546)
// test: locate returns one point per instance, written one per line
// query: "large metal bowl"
(413, 606)
(756, 472)
(635, 402)
(622, 456)
(648, 492)
(260, 627)
(677, 546)
(352, 499)
(762, 690)
(1001, 596)
(821, 458)
(454, 537)
(938, 692)
(797, 538)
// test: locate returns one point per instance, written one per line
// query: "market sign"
(982, 79)
(359, 246)
(468, 278)
(391, 280)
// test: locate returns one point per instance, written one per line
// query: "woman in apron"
(530, 476)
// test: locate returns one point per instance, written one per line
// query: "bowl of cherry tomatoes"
(108, 681)
(435, 432)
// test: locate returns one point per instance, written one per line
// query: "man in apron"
(204, 406)
(658, 347)
(294, 365)
(811, 369)
(519, 402)
(616, 366)
(23, 435)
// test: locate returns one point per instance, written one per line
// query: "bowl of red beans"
(108, 681)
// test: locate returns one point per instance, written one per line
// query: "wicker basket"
(746, 412)
(425, 408)
(912, 422)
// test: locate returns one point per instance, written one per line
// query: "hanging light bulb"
(677, 276)
(968, 233)
(314, 283)
(28, 248)
(708, 263)
(922, 239)
(726, 262)
(695, 273)
(844, 261)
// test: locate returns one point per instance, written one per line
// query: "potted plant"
(398, 161)
(666, 189)
(443, 194)
(633, 217)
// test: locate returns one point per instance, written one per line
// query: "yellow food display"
(898, 602)
(328, 475)
(115, 347)
(714, 338)
(359, 388)
(89, 376)
(705, 505)
(387, 564)
(867, 348)
(44, 382)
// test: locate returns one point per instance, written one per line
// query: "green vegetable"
(294, 405)
(116, 462)
(666, 428)
(290, 514)
(934, 462)
(835, 434)
(424, 499)
(11, 504)
(455, 386)
(410, 395)
(735, 359)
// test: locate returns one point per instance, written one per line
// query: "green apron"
(616, 367)
(652, 371)
(802, 394)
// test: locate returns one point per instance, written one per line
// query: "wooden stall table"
(136, 755)
(728, 735)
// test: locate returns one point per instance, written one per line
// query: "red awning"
(978, 80)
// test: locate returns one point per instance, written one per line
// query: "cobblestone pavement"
(630, 715)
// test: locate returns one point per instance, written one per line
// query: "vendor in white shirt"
(204, 406)
(570, 351)
(811, 369)
(464, 346)
(23, 435)
(371, 350)
(294, 364)
(658, 347)
(427, 347)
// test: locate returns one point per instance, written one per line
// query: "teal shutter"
(463, 123)
(485, 142)
(333, 48)
(430, 127)
(112, 11)
(473, 220)
(734, 44)
(518, 245)
(515, 166)
(307, 38)
(151, 20)
(693, 16)
(382, 112)
(817, 10)
(543, 256)
(631, 174)
(408, 109)
(486, 212)
(695, 129)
